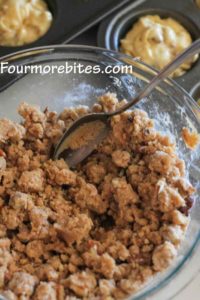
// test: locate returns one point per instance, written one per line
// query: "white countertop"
(191, 291)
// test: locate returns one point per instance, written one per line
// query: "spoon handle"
(189, 52)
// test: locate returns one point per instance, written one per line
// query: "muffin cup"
(115, 28)
(70, 18)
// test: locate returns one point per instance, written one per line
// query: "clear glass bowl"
(170, 106)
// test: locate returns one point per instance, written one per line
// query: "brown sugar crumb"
(22, 284)
(10, 131)
(2, 164)
(32, 181)
(104, 265)
(59, 173)
(106, 287)
(45, 291)
(168, 197)
(109, 102)
(82, 283)
(121, 158)
(100, 231)
(87, 196)
(75, 229)
(163, 256)
(21, 201)
(191, 138)
(95, 172)
(123, 191)
(34, 249)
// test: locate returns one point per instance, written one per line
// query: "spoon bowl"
(91, 129)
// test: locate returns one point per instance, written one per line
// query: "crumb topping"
(100, 231)
(191, 138)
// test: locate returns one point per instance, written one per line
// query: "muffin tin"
(70, 18)
(186, 12)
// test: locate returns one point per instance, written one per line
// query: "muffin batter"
(23, 21)
(157, 42)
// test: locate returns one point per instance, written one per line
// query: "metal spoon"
(89, 131)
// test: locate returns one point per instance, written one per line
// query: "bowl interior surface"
(170, 106)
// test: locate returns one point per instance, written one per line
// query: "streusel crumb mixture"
(99, 232)
(191, 138)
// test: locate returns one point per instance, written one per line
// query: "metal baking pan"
(114, 28)
(71, 18)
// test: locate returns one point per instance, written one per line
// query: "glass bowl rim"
(190, 102)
